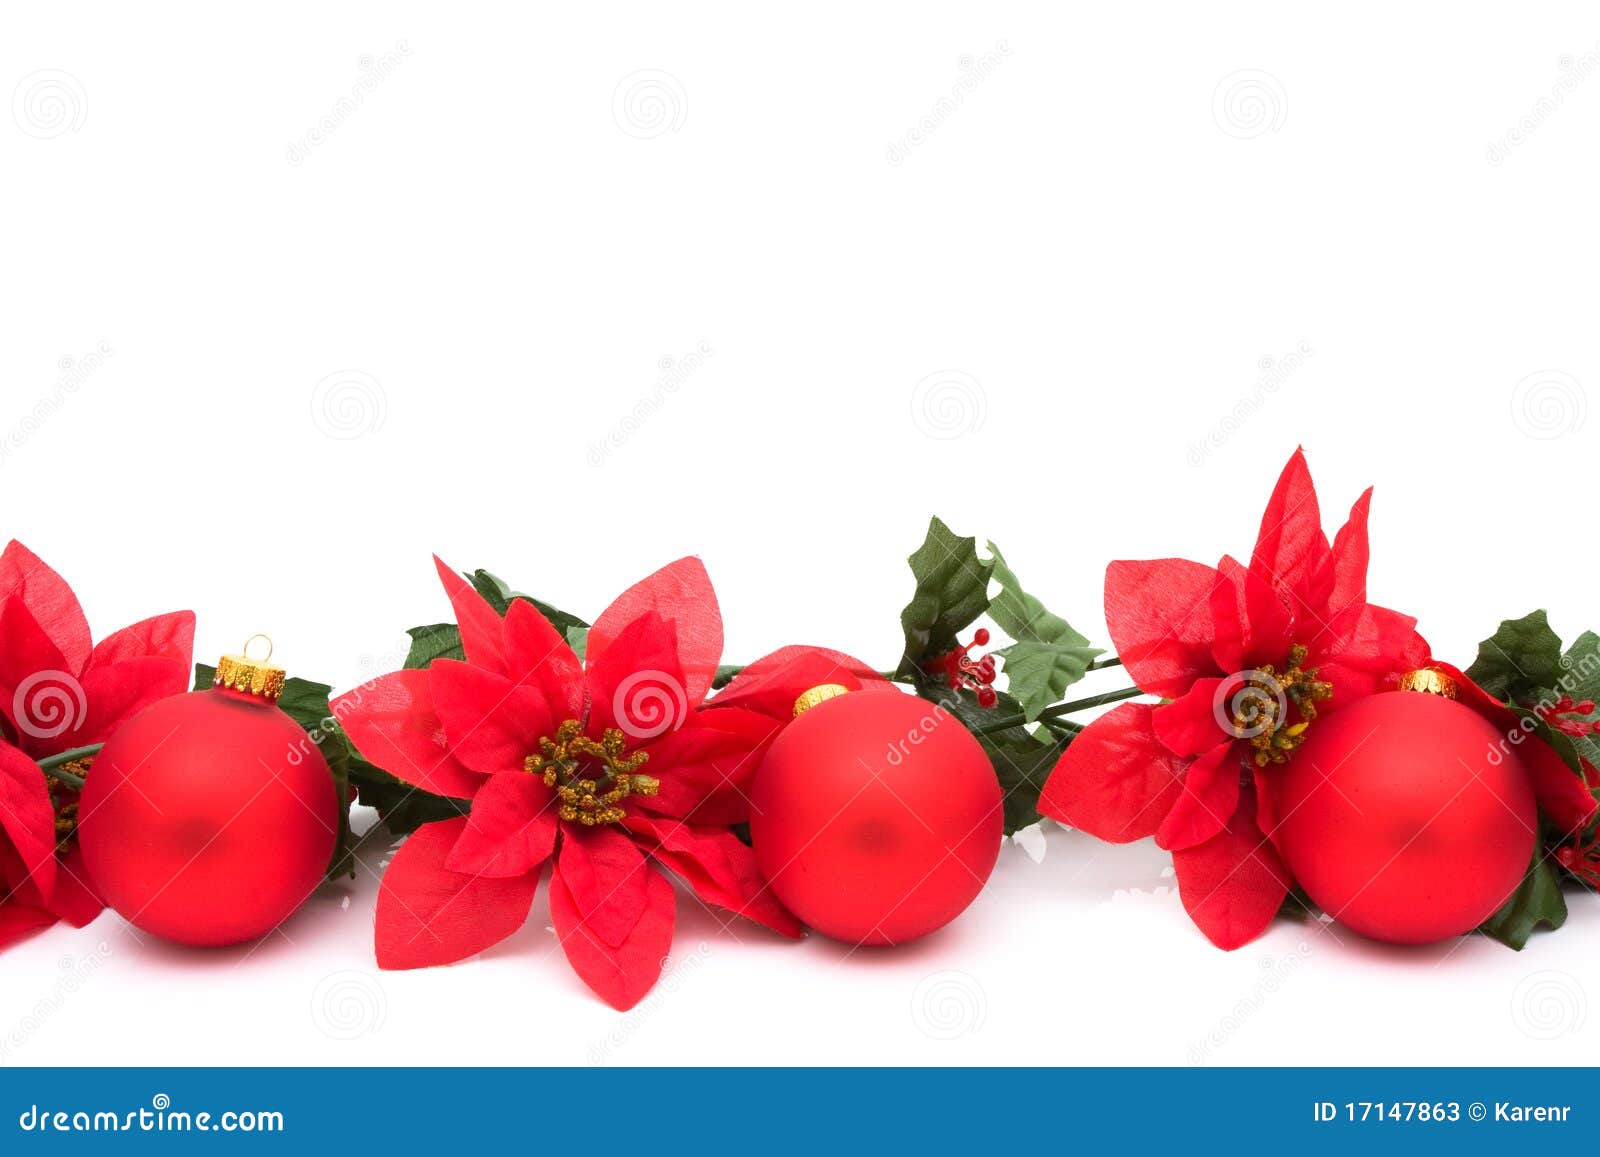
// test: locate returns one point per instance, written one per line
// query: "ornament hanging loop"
(245, 650)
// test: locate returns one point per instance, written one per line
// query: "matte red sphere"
(208, 818)
(877, 817)
(1407, 817)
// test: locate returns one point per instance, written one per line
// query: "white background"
(432, 331)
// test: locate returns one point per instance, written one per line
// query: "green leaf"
(439, 641)
(1537, 903)
(306, 703)
(1580, 678)
(402, 808)
(952, 591)
(1520, 659)
(1022, 766)
(499, 595)
(1048, 655)
(578, 640)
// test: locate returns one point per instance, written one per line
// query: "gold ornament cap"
(1427, 681)
(250, 675)
(818, 694)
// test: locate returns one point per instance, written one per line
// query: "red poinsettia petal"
(1350, 557)
(1233, 884)
(705, 768)
(1116, 781)
(773, 682)
(117, 691)
(680, 593)
(1193, 723)
(75, 899)
(1563, 794)
(512, 828)
(490, 723)
(1251, 623)
(169, 636)
(19, 920)
(429, 915)
(39, 696)
(537, 656)
(620, 974)
(636, 685)
(392, 723)
(49, 600)
(719, 868)
(606, 876)
(1210, 795)
(1292, 552)
(28, 821)
(1159, 614)
(1365, 650)
(482, 635)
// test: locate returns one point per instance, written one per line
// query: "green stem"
(51, 765)
(1058, 710)
(1102, 664)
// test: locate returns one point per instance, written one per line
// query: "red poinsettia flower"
(603, 767)
(1247, 656)
(59, 691)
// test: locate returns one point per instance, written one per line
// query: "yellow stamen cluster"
(1272, 739)
(67, 812)
(612, 773)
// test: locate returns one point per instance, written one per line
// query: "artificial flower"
(1246, 658)
(59, 690)
(606, 768)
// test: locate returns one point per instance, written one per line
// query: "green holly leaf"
(1580, 678)
(1048, 655)
(952, 591)
(1520, 660)
(439, 641)
(306, 703)
(1537, 903)
(578, 640)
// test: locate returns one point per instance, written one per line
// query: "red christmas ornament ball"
(208, 818)
(876, 817)
(1406, 817)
